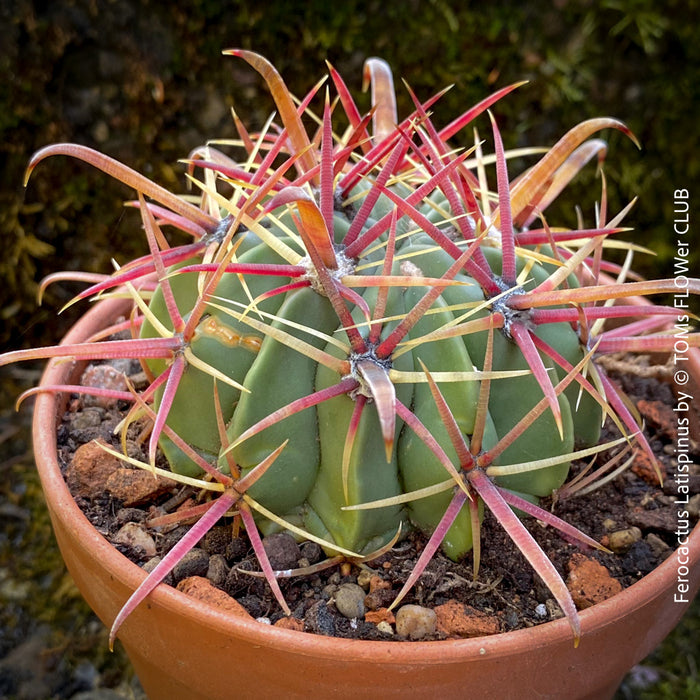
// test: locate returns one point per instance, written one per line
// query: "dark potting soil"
(639, 519)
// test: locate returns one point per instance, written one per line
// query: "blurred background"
(145, 82)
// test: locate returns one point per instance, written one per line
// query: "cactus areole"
(364, 337)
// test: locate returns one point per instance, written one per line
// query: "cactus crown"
(363, 336)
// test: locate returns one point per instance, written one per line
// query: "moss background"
(144, 81)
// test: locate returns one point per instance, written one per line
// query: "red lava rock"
(381, 615)
(659, 416)
(589, 582)
(94, 471)
(456, 619)
(106, 377)
(136, 486)
(90, 469)
(204, 590)
(377, 583)
(290, 623)
(645, 469)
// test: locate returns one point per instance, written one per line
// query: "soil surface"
(635, 517)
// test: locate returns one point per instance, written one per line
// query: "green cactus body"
(512, 399)
(382, 207)
(419, 466)
(586, 413)
(370, 476)
(306, 482)
(220, 341)
(279, 375)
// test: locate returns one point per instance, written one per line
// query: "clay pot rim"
(238, 626)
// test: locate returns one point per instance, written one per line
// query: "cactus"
(362, 339)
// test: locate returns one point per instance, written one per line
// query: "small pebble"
(290, 623)
(609, 524)
(385, 628)
(663, 519)
(553, 609)
(377, 583)
(377, 616)
(133, 535)
(319, 619)
(541, 610)
(621, 541)
(363, 579)
(136, 486)
(589, 582)
(657, 545)
(204, 590)
(415, 622)
(350, 600)
(455, 619)
(131, 515)
(90, 417)
(328, 591)
(90, 469)
(106, 377)
(379, 598)
(510, 618)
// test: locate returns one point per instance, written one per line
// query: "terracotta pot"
(182, 648)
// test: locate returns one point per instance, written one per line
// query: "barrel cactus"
(363, 337)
